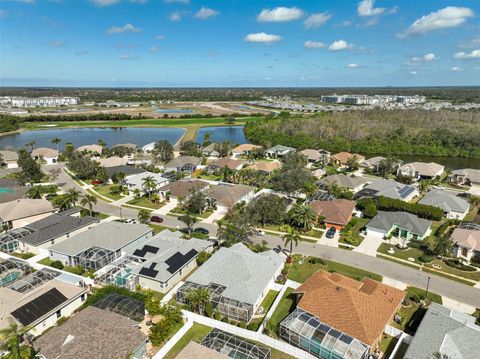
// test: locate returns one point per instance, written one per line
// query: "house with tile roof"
(49, 155)
(244, 149)
(454, 207)
(352, 183)
(388, 188)
(227, 195)
(91, 149)
(265, 167)
(342, 158)
(135, 181)
(23, 211)
(182, 188)
(337, 314)
(315, 156)
(9, 159)
(403, 225)
(336, 213)
(186, 164)
(466, 244)
(421, 170)
(466, 176)
(279, 151)
(221, 163)
(451, 333)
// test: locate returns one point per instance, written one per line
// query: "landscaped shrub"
(351, 240)
(368, 207)
(420, 210)
(75, 270)
(456, 263)
(56, 264)
(252, 326)
(217, 316)
(425, 258)
(208, 310)
(242, 325)
(315, 260)
(202, 258)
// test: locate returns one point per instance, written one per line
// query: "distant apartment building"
(38, 101)
(373, 100)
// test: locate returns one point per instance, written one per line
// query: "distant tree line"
(8, 123)
(81, 117)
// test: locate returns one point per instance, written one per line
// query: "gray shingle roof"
(391, 189)
(446, 201)
(182, 161)
(128, 170)
(108, 235)
(407, 221)
(245, 274)
(445, 331)
(54, 226)
(343, 181)
(280, 148)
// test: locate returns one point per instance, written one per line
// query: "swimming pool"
(6, 190)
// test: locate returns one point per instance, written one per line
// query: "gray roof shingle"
(385, 221)
(446, 201)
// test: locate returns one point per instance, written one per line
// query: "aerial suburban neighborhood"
(204, 179)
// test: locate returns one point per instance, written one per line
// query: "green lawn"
(284, 308)
(268, 300)
(421, 293)
(24, 255)
(472, 214)
(401, 253)
(446, 268)
(301, 272)
(45, 261)
(272, 228)
(158, 228)
(354, 232)
(196, 333)
(387, 344)
(104, 190)
(145, 202)
(179, 211)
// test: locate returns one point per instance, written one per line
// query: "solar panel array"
(405, 191)
(38, 307)
(149, 271)
(178, 260)
(146, 249)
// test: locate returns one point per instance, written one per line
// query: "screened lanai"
(307, 332)
(9, 240)
(94, 258)
(231, 308)
(11, 270)
(120, 272)
(233, 346)
(129, 307)
(33, 280)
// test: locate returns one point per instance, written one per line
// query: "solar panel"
(146, 249)
(149, 271)
(37, 308)
(176, 261)
(405, 191)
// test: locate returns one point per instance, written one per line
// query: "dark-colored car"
(331, 232)
(156, 219)
(201, 230)
(97, 182)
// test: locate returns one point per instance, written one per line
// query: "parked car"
(260, 232)
(131, 220)
(201, 230)
(156, 219)
(97, 182)
(331, 232)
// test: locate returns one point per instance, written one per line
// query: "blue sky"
(239, 43)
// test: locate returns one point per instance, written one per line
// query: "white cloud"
(104, 3)
(413, 72)
(127, 57)
(339, 45)
(366, 8)
(262, 37)
(475, 54)
(205, 13)
(176, 16)
(121, 29)
(430, 57)
(455, 69)
(371, 22)
(451, 16)
(473, 42)
(160, 37)
(417, 60)
(313, 44)
(280, 14)
(352, 66)
(154, 48)
(57, 43)
(316, 20)
(177, 1)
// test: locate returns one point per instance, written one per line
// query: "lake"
(453, 163)
(234, 134)
(86, 136)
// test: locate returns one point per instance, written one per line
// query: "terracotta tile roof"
(467, 238)
(265, 166)
(342, 157)
(24, 208)
(245, 147)
(230, 163)
(9, 155)
(91, 148)
(359, 309)
(312, 155)
(337, 211)
(45, 152)
(183, 188)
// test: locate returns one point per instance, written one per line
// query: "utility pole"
(426, 291)
(121, 219)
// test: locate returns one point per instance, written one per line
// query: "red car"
(97, 182)
(156, 219)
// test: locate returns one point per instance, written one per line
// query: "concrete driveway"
(369, 245)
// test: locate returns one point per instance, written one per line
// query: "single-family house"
(9, 159)
(182, 189)
(353, 184)
(336, 213)
(45, 232)
(466, 244)
(227, 195)
(113, 161)
(279, 151)
(421, 170)
(137, 181)
(100, 245)
(166, 259)
(388, 188)
(340, 317)
(127, 170)
(224, 162)
(374, 162)
(265, 167)
(49, 155)
(313, 156)
(23, 211)
(319, 173)
(91, 149)
(237, 278)
(95, 333)
(405, 226)
(450, 333)
(244, 149)
(466, 176)
(40, 305)
(454, 207)
(342, 158)
(210, 151)
(187, 164)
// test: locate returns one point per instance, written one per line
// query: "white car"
(260, 233)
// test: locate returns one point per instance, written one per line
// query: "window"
(59, 313)
(82, 297)
(464, 252)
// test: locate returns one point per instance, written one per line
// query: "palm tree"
(89, 200)
(137, 193)
(56, 141)
(143, 216)
(189, 221)
(101, 142)
(72, 196)
(35, 192)
(206, 139)
(121, 177)
(303, 217)
(149, 183)
(291, 237)
(423, 185)
(10, 338)
(198, 299)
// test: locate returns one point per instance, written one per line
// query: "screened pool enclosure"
(12, 270)
(307, 332)
(234, 347)
(231, 308)
(9, 240)
(120, 304)
(120, 272)
(94, 258)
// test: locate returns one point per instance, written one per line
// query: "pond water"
(234, 134)
(452, 163)
(86, 136)
(173, 110)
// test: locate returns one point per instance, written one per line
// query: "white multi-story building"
(38, 101)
